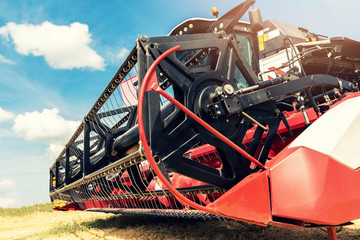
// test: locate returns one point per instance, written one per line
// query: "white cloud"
(116, 56)
(8, 194)
(122, 54)
(6, 115)
(5, 60)
(5, 133)
(54, 150)
(63, 47)
(46, 126)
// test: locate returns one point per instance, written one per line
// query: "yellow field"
(89, 225)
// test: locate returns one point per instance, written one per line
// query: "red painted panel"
(312, 187)
(249, 200)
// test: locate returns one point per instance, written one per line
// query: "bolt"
(216, 106)
(218, 112)
(143, 38)
(218, 90)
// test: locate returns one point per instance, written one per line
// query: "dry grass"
(90, 225)
(26, 210)
(42, 224)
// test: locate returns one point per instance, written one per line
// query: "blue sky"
(56, 57)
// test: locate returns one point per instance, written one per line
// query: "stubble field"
(44, 223)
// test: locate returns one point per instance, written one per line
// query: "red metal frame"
(332, 233)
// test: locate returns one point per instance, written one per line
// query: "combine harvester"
(257, 122)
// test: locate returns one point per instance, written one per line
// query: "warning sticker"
(266, 37)
(261, 46)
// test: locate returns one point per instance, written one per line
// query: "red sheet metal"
(309, 186)
(249, 200)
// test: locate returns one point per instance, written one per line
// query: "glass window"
(239, 78)
(245, 47)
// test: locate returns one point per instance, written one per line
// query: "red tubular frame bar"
(150, 79)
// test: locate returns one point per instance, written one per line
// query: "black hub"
(201, 97)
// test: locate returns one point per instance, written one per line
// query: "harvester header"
(216, 121)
